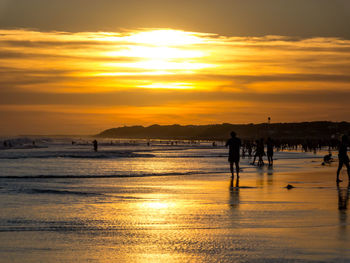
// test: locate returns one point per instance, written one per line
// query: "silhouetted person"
(256, 151)
(234, 145)
(260, 152)
(243, 152)
(269, 151)
(343, 156)
(95, 145)
(327, 159)
(250, 149)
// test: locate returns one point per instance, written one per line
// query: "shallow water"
(134, 203)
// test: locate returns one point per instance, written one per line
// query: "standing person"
(269, 146)
(234, 145)
(256, 154)
(260, 152)
(95, 145)
(343, 156)
(250, 149)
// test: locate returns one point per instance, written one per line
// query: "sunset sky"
(81, 66)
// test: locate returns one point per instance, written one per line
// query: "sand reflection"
(343, 200)
(260, 178)
(234, 193)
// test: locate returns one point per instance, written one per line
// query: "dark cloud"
(293, 78)
(290, 47)
(70, 44)
(21, 55)
(145, 97)
(226, 17)
(244, 79)
(51, 44)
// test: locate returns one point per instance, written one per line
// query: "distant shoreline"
(320, 130)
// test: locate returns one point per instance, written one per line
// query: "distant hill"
(302, 130)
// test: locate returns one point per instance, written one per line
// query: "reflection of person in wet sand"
(270, 176)
(343, 200)
(234, 193)
(343, 195)
(234, 145)
(343, 156)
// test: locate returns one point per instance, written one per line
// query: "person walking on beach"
(269, 146)
(256, 151)
(234, 145)
(260, 152)
(343, 156)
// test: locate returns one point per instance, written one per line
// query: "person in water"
(234, 145)
(95, 145)
(343, 156)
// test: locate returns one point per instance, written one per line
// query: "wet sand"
(194, 218)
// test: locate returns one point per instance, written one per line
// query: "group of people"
(234, 144)
(260, 152)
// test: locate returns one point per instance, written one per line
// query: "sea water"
(54, 158)
(141, 201)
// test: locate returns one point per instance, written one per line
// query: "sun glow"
(165, 37)
(156, 205)
(167, 51)
(163, 64)
(157, 53)
(168, 86)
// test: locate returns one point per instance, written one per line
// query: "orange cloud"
(191, 77)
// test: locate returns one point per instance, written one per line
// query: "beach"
(169, 204)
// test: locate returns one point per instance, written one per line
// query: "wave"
(74, 193)
(59, 192)
(106, 176)
(81, 155)
(137, 154)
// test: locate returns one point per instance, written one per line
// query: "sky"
(79, 67)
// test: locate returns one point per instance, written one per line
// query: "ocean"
(166, 201)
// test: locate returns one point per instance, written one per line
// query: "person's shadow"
(234, 193)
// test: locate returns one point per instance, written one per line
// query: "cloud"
(208, 76)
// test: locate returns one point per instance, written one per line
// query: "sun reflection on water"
(157, 205)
